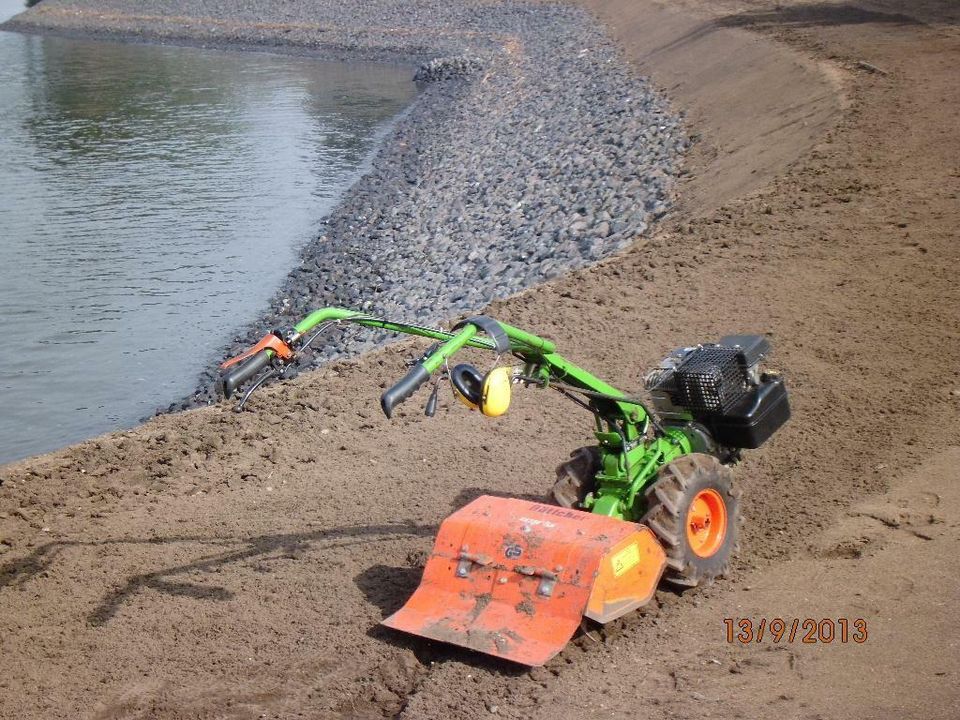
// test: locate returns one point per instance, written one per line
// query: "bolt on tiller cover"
(514, 578)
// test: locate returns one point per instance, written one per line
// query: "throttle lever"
(432, 401)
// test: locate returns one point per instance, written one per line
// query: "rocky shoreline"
(531, 150)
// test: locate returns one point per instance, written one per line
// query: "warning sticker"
(625, 559)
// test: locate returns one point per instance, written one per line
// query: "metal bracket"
(467, 560)
(548, 579)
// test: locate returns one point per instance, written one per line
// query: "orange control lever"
(271, 341)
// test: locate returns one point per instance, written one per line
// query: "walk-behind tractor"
(653, 499)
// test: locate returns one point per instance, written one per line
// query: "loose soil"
(220, 565)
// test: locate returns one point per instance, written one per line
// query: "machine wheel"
(576, 477)
(695, 512)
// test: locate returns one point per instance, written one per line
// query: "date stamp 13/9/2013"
(808, 631)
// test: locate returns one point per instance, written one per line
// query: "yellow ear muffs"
(467, 385)
(495, 392)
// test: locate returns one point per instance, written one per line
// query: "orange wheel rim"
(706, 523)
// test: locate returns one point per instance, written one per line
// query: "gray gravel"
(531, 150)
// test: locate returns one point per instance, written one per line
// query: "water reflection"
(151, 200)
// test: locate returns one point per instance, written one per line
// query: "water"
(151, 201)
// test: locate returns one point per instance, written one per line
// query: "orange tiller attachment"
(270, 341)
(514, 578)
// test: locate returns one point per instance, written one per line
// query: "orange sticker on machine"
(625, 559)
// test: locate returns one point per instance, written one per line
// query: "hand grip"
(406, 387)
(230, 381)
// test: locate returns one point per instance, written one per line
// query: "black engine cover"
(754, 418)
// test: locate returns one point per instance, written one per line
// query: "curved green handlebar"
(519, 339)
(323, 315)
(529, 347)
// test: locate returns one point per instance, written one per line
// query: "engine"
(720, 391)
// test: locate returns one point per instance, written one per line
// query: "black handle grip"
(406, 387)
(233, 379)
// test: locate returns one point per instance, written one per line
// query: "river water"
(152, 199)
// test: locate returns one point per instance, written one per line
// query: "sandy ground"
(215, 565)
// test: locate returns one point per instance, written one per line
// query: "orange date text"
(808, 631)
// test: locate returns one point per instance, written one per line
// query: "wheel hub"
(706, 523)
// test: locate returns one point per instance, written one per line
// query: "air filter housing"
(711, 380)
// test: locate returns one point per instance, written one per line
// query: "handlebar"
(407, 386)
(233, 379)
(281, 348)
(420, 373)
(249, 363)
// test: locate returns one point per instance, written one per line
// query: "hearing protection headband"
(501, 343)
(489, 393)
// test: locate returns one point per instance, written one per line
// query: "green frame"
(632, 448)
